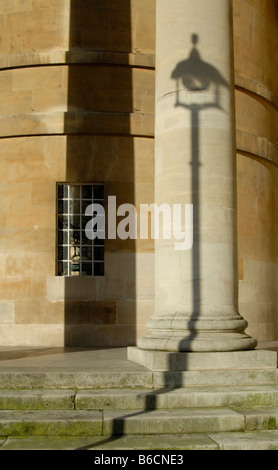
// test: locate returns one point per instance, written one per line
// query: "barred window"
(77, 255)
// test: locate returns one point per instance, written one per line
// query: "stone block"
(177, 422)
(40, 335)
(171, 361)
(37, 399)
(256, 440)
(210, 378)
(16, 288)
(33, 265)
(6, 311)
(179, 398)
(90, 312)
(51, 423)
(261, 418)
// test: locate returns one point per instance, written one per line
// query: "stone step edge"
(253, 440)
(138, 399)
(108, 423)
(145, 379)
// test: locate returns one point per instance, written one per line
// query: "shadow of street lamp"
(196, 76)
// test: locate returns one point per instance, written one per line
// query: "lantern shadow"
(196, 77)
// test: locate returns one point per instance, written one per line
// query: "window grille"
(77, 255)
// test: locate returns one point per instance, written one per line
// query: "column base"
(184, 333)
(185, 361)
(202, 342)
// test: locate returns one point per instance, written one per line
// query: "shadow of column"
(100, 150)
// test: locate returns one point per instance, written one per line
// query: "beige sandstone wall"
(256, 62)
(77, 105)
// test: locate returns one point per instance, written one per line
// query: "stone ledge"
(258, 89)
(70, 122)
(236, 360)
(77, 57)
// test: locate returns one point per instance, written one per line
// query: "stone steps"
(121, 412)
(196, 410)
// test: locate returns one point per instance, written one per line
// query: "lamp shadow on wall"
(195, 76)
(100, 311)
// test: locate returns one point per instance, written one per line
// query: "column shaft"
(196, 290)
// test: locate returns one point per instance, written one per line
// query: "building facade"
(83, 83)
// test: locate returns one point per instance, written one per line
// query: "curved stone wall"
(256, 62)
(77, 105)
(73, 67)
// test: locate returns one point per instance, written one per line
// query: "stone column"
(196, 290)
